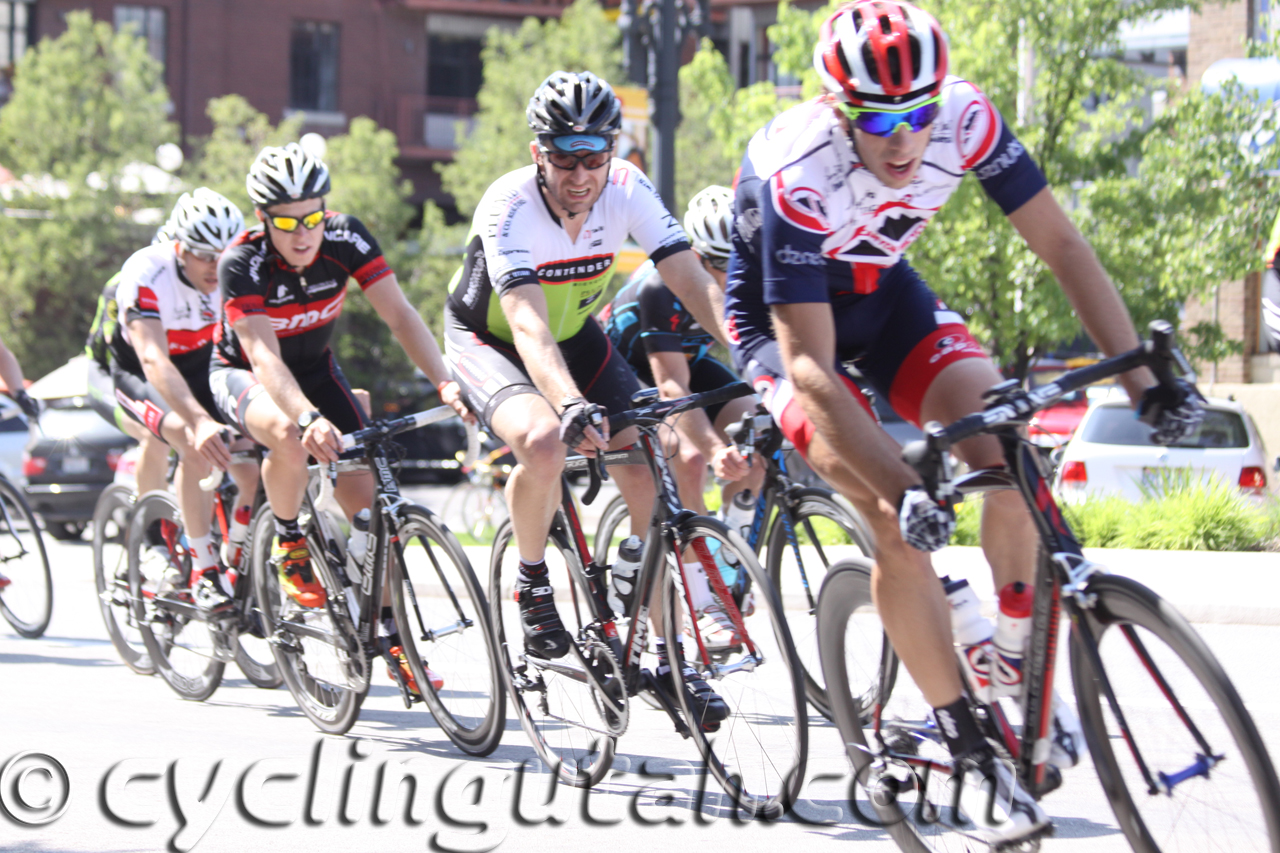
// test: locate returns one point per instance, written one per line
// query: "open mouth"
(899, 169)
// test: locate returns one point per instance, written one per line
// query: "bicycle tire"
(443, 617)
(581, 757)
(611, 519)
(797, 565)
(758, 754)
(185, 652)
(332, 708)
(1162, 823)
(111, 576)
(27, 602)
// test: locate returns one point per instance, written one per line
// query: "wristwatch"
(306, 419)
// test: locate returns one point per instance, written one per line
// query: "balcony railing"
(428, 126)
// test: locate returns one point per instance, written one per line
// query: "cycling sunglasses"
(590, 150)
(289, 224)
(886, 122)
(201, 255)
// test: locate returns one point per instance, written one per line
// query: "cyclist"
(273, 373)
(830, 195)
(167, 308)
(519, 333)
(11, 373)
(667, 348)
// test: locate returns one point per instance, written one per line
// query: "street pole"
(664, 88)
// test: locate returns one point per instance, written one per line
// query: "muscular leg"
(529, 426)
(195, 504)
(734, 411)
(284, 471)
(153, 459)
(689, 467)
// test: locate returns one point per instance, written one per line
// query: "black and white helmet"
(568, 103)
(205, 221)
(282, 175)
(709, 222)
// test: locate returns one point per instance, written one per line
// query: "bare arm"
(10, 370)
(1052, 235)
(806, 337)
(407, 326)
(684, 275)
(152, 346)
(262, 349)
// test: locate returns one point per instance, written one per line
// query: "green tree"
(583, 39)
(84, 106)
(222, 159)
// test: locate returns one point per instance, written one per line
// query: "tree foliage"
(222, 159)
(583, 39)
(84, 106)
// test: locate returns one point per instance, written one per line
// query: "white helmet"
(282, 175)
(709, 222)
(205, 221)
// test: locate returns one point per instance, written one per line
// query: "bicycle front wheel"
(27, 601)
(111, 576)
(1210, 782)
(554, 700)
(322, 662)
(187, 653)
(443, 618)
(802, 546)
(758, 753)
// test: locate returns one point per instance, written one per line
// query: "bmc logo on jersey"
(295, 319)
(803, 207)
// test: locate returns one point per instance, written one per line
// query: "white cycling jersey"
(153, 287)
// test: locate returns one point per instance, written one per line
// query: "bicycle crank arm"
(747, 664)
(651, 683)
(452, 628)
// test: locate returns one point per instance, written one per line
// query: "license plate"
(75, 465)
(1154, 477)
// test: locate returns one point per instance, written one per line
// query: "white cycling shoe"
(1066, 736)
(995, 808)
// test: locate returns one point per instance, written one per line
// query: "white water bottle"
(358, 543)
(739, 512)
(972, 632)
(622, 578)
(1013, 630)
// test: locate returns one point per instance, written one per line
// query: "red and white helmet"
(881, 54)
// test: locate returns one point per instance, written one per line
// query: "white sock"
(202, 553)
(699, 587)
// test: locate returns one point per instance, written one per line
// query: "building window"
(17, 18)
(313, 63)
(454, 69)
(148, 22)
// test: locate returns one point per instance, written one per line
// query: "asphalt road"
(147, 771)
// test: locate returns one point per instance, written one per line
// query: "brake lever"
(595, 466)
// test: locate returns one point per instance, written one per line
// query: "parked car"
(68, 462)
(13, 438)
(1112, 453)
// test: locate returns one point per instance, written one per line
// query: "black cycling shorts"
(323, 384)
(142, 402)
(490, 371)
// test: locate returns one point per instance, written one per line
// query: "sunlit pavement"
(139, 765)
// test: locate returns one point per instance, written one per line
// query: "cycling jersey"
(815, 225)
(647, 317)
(516, 240)
(302, 306)
(152, 287)
(105, 326)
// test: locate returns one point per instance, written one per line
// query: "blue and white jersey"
(814, 224)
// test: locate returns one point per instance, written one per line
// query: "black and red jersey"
(302, 306)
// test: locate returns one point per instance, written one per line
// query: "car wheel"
(64, 531)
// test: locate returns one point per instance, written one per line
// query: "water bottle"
(739, 512)
(233, 548)
(1013, 629)
(972, 632)
(358, 544)
(622, 582)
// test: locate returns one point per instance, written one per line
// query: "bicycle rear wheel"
(443, 618)
(253, 653)
(111, 577)
(554, 700)
(799, 555)
(27, 602)
(323, 663)
(187, 651)
(758, 753)
(1234, 803)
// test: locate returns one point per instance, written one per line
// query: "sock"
(699, 587)
(287, 529)
(206, 559)
(960, 729)
(389, 627)
(240, 525)
(529, 572)
(660, 648)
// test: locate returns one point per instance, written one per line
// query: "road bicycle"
(574, 708)
(477, 503)
(27, 601)
(327, 653)
(800, 530)
(1178, 755)
(187, 646)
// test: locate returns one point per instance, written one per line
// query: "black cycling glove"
(576, 415)
(30, 406)
(926, 525)
(1174, 413)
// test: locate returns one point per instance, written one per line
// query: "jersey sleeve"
(659, 316)
(793, 227)
(136, 297)
(507, 239)
(358, 251)
(987, 147)
(242, 281)
(649, 222)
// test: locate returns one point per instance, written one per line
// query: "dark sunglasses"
(886, 123)
(289, 224)
(591, 160)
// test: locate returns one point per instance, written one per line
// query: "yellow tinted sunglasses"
(289, 224)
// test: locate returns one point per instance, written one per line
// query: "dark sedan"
(68, 463)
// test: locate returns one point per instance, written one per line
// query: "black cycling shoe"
(708, 707)
(544, 633)
(209, 595)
